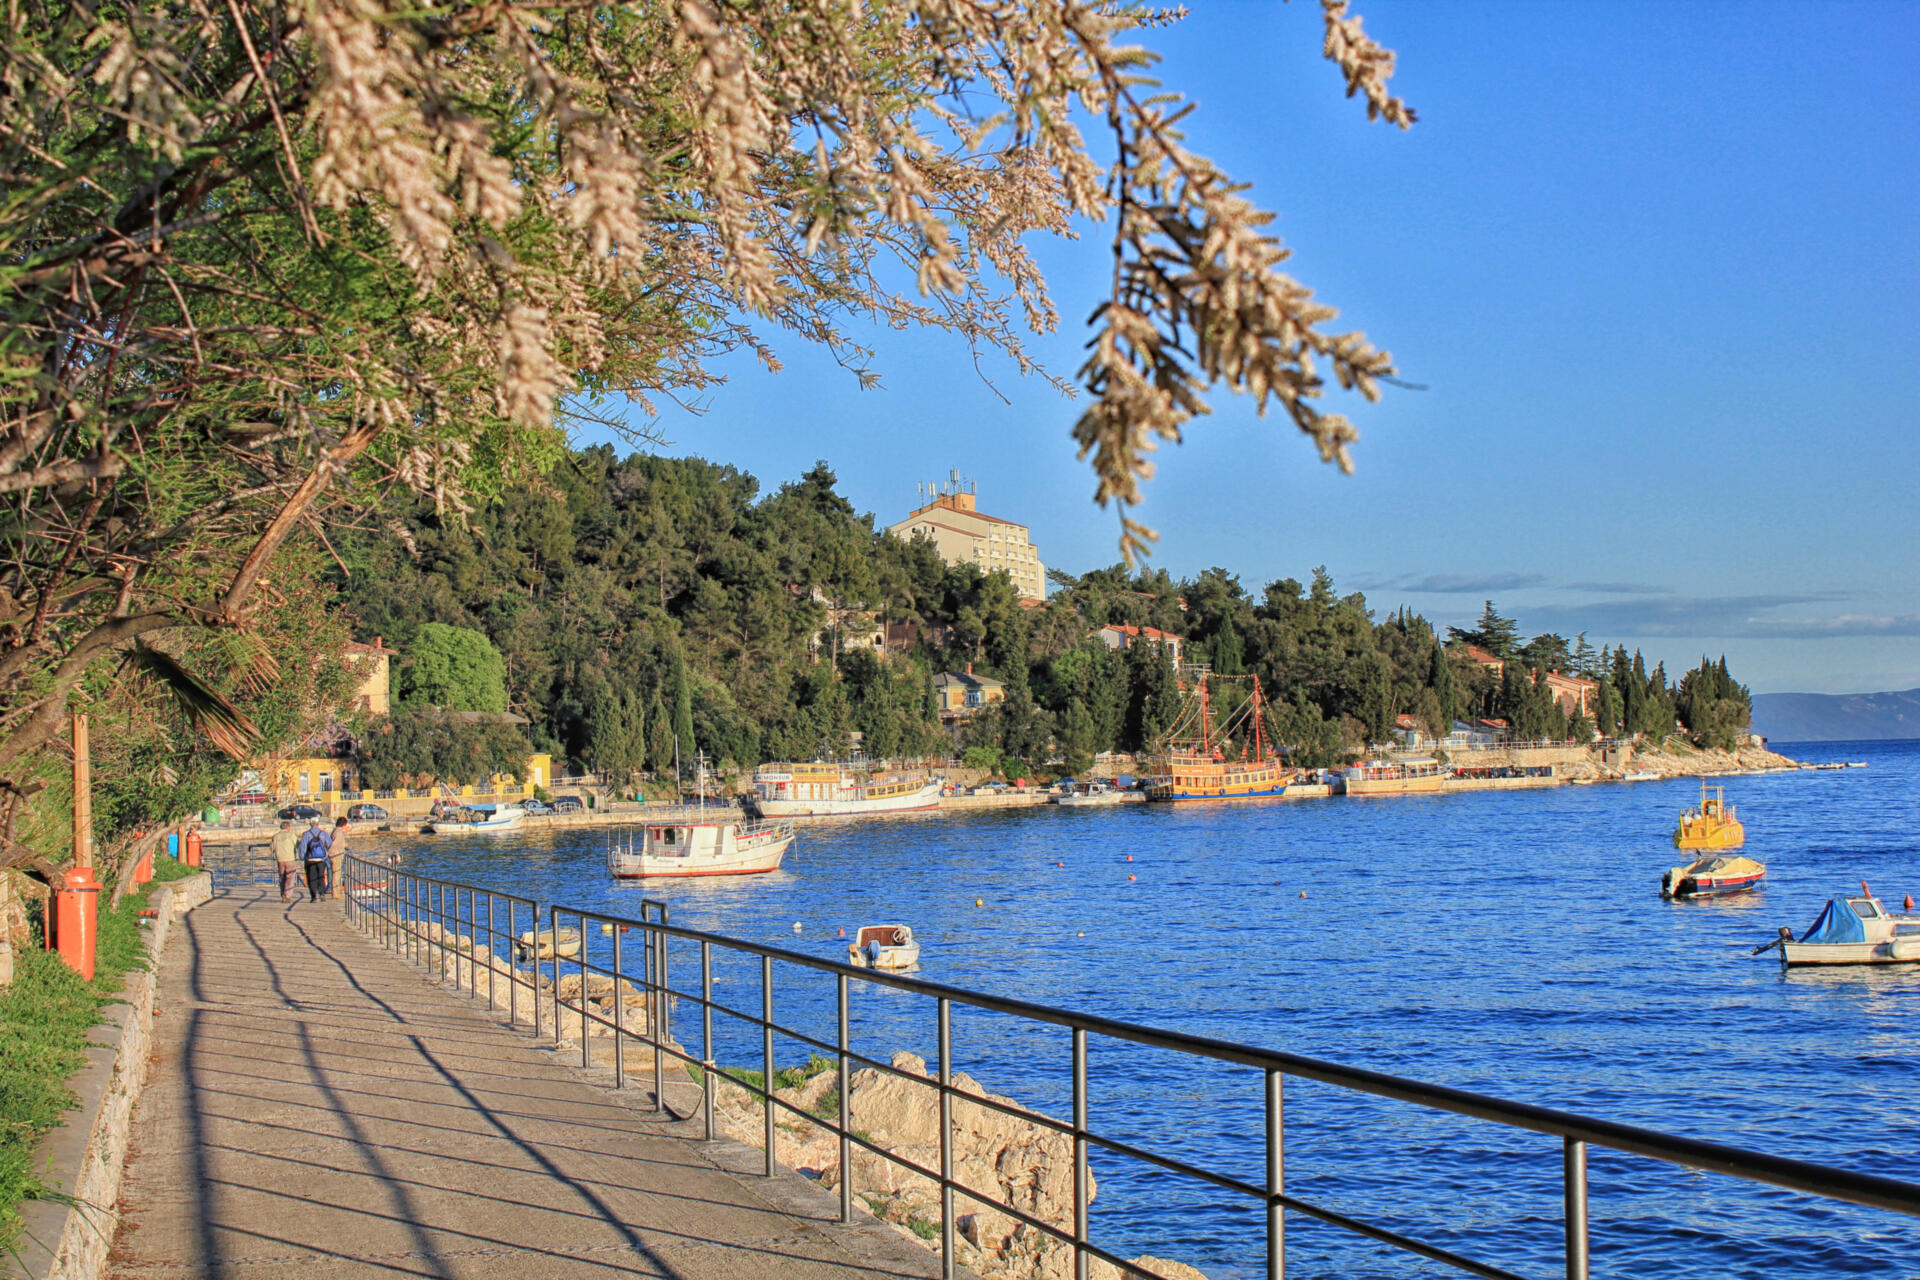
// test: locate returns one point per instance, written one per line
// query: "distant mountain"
(1836, 717)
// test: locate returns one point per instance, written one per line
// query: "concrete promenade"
(316, 1108)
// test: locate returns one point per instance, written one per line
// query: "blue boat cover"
(1837, 923)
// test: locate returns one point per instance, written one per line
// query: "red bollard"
(193, 848)
(75, 912)
(143, 873)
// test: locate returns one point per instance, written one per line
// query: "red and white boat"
(700, 842)
(1712, 873)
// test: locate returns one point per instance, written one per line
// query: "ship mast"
(1259, 736)
(1206, 740)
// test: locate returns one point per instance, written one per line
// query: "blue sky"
(1657, 266)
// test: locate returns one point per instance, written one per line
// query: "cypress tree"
(683, 710)
(1440, 677)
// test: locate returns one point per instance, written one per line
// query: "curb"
(86, 1156)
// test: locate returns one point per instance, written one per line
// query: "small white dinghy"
(544, 944)
(1853, 931)
(884, 946)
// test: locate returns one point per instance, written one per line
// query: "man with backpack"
(314, 848)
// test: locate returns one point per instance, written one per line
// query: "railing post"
(766, 1051)
(493, 943)
(1276, 1177)
(657, 1019)
(1079, 1153)
(619, 1024)
(708, 1086)
(586, 1051)
(946, 1139)
(1574, 1154)
(846, 1144)
(553, 935)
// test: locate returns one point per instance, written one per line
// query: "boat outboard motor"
(1786, 935)
(873, 954)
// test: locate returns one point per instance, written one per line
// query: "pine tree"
(1440, 677)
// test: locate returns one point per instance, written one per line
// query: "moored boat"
(884, 946)
(1712, 824)
(1852, 930)
(479, 819)
(1089, 795)
(546, 944)
(1399, 778)
(1640, 775)
(834, 790)
(1196, 760)
(701, 843)
(1712, 873)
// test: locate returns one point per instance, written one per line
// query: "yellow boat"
(1711, 824)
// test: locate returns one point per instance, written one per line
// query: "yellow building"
(374, 663)
(962, 694)
(963, 534)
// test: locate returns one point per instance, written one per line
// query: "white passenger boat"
(884, 946)
(479, 819)
(834, 790)
(1853, 931)
(1089, 795)
(695, 842)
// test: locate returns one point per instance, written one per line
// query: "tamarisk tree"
(257, 255)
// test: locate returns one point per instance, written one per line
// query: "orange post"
(143, 873)
(75, 916)
(193, 847)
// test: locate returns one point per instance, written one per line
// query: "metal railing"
(406, 900)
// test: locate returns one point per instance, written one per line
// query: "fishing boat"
(1089, 795)
(1196, 760)
(479, 819)
(698, 841)
(1712, 873)
(1852, 931)
(836, 790)
(1711, 824)
(547, 944)
(1395, 778)
(1641, 775)
(884, 946)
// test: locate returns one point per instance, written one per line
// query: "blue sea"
(1509, 943)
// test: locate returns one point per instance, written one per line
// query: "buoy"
(796, 926)
(1133, 877)
(607, 930)
(1909, 902)
(1303, 893)
(1129, 857)
(1083, 933)
(981, 902)
(1059, 864)
(843, 931)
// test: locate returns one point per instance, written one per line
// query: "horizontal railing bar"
(1398, 1241)
(1796, 1175)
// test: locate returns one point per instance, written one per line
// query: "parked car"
(990, 788)
(366, 813)
(251, 797)
(299, 812)
(568, 804)
(537, 807)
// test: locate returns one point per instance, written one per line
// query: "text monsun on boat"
(1198, 759)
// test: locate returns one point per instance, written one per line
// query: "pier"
(315, 1108)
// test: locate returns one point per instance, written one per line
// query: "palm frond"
(224, 724)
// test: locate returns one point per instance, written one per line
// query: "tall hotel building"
(960, 533)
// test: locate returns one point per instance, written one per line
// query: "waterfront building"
(1570, 692)
(963, 534)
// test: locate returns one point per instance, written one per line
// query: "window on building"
(303, 784)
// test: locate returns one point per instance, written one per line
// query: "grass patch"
(46, 1020)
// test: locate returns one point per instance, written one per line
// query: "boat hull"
(1089, 802)
(1694, 840)
(1422, 786)
(743, 862)
(1175, 794)
(1904, 950)
(1689, 887)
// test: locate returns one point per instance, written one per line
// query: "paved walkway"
(317, 1108)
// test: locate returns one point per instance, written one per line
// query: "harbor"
(1280, 901)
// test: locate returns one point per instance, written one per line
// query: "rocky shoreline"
(1029, 1164)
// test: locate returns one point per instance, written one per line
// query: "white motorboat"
(1641, 775)
(696, 842)
(545, 944)
(478, 819)
(884, 946)
(1089, 794)
(1853, 931)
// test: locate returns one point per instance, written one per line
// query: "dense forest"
(641, 604)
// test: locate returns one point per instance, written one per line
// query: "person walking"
(337, 854)
(313, 852)
(286, 859)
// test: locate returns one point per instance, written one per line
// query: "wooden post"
(82, 794)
